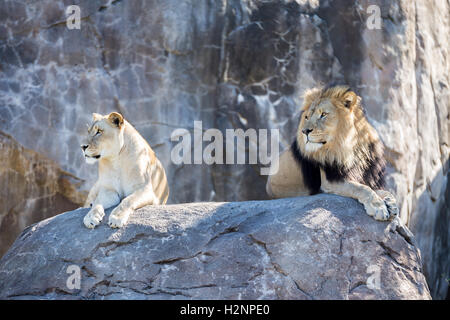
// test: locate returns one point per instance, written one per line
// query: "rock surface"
(318, 247)
(31, 184)
(234, 64)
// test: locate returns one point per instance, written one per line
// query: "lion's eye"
(98, 132)
(306, 117)
(323, 115)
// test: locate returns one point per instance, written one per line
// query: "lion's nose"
(84, 146)
(307, 131)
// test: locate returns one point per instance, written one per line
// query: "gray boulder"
(318, 247)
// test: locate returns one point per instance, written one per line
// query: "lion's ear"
(96, 116)
(350, 99)
(116, 119)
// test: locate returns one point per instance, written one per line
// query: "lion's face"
(104, 138)
(318, 125)
(327, 121)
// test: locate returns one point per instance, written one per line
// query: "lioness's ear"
(350, 99)
(96, 116)
(116, 119)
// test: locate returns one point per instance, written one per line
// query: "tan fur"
(338, 133)
(129, 172)
(288, 181)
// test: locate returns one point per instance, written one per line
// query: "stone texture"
(32, 188)
(235, 64)
(319, 247)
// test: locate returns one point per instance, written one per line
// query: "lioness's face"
(318, 124)
(104, 137)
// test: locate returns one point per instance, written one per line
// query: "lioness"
(129, 172)
(336, 150)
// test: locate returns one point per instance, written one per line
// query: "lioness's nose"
(307, 131)
(84, 146)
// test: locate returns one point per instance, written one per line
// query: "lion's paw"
(94, 216)
(390, 202)
(377, 209)
(118, 218)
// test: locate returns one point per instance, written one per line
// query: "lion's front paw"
(377, 209)
(118, 218)
(390, 202)
(94, 216)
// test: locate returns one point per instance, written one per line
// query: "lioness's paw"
(93, 218)
(118, 218)
(377, 209)
(390, 202)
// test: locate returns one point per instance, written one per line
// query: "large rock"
(235, 64)
(319, 247)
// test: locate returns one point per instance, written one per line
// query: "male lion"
(129, 172)
(336, 150)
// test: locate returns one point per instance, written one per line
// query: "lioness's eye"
(306, 117)
(98, 132)
(323, 115)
